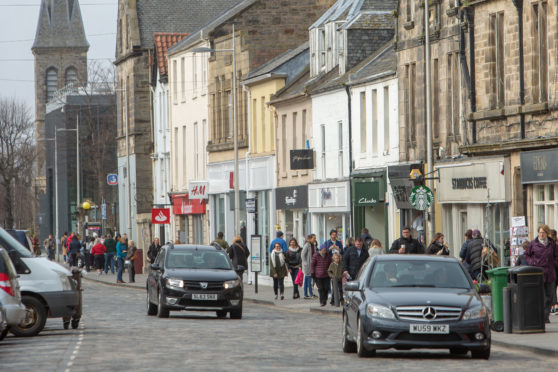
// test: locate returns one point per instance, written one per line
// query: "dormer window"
(322, 48)
(51, 83)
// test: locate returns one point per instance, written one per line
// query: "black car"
(194, 277)
(408, 301)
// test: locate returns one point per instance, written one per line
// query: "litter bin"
(527, 299)
(499, 280)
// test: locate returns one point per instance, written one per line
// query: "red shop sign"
(160, 216)
(181, 204)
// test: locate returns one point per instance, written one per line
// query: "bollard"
(506, 296)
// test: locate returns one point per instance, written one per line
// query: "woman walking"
(278, 269)
(98, 253)
(307, 252)
(375, 248)
(543, 252)
(121, 251)
(438, 246)
(239, 254)
(131, 260)
(318, 268)
(294, 262)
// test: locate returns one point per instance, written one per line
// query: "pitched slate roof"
(296, 88)
(176, 16)
(60, 25)
(289, 64)
(163, 41)
(351, 10)
(381, 63)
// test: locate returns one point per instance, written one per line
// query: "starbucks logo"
(421, 197)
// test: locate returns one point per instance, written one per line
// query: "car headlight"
(231, 283)
(177, 283)
(65, 282)
(475, 313)
(379, 311)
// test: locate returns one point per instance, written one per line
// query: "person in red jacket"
(98, 252)
(318, 269)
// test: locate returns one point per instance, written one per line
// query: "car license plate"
(204, 296)
(438, 329)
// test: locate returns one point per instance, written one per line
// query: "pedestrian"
(98, 253)
(332, 244)
(86, 246)
(308, 251)
(131, 257)
(153, 250)
(36, 245)
(463, 251)
(121, 251)
(375, 248)
(319, 266)
(354, 258)
(543, 252)
(366, 237)
(349, 242)
(474, 255)
(239, 253)
(438, 246)
(110, 245)
(221, 241)
(50, 247)
(74, 249)
(63, 240)
(521, 260)
(279, 239)
(554, 309)
(335, 272)
(278, 269)
(294, 263)
(406, 243)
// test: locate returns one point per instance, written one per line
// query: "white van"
(47, 288)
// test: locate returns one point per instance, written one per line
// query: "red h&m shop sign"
(160, 216)
(181, 204)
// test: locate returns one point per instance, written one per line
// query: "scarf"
(272, 258)
(293, 249)
(544, 242)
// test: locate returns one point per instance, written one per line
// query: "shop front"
(370, 210)
(292, 209)
(329, 208)
(190, 219)
(475, 194)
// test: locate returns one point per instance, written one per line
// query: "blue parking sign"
(112, 179)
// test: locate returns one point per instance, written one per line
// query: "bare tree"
(17, 153)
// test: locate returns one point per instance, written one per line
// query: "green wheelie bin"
(499, 280)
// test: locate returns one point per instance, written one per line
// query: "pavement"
(541, 343)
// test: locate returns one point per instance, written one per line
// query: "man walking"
(279, 239)
(50, 247)
(406, 244)
(473, 254)
(222, 242)
(333, 245)
(110, 245)
(353, 258)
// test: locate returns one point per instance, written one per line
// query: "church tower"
(60, 52)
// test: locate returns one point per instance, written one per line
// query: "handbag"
(127, 262)
(299, 278)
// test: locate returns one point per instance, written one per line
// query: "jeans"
(109, 261)
(294, 273)
(120, 269)
(278, 283)
(337, 291)
(308, 286)
(323, 286)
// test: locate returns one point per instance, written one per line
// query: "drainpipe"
(519, 6)
(350, 123)
(469, 12)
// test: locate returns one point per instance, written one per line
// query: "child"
(335, 272)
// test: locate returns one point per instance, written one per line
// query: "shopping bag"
(299, 280)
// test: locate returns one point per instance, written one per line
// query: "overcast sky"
(18, 23)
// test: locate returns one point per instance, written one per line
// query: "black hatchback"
(414, 301)
(195, 278)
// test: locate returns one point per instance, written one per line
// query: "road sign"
(421, 197)
(112, 179)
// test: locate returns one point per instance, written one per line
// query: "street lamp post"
(429, 157)
(235, 125)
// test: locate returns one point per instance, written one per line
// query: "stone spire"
(60, 25)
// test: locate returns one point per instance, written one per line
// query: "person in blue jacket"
(121, 251)
(279, 239)
(333, 245)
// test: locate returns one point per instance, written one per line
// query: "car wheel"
(162, 310)
(348, 346)
(3, 334)
(458, 350)
(221, 314)
(236, 313)
(481, 354)
(360, 349)
(151, 309)
(35, 318)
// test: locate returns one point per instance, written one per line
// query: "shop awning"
(367, 193)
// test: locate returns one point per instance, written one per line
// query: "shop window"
(545, 205)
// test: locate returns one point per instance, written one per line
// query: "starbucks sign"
(421, 197)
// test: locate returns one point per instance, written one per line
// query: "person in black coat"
(153, 250)
(74, 250)
(239, 254)
(438, 246)
(354, 257)
(406, 244)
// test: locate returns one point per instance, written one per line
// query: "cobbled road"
(115, 334)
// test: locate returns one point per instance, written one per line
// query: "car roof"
(194, 247)
(413, 257)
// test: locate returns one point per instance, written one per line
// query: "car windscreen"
(9, 243)
(435, 274)
(192, 259)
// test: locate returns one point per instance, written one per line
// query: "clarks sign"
(302, 159)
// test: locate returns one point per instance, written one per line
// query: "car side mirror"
(155, 267)
(352, 286)
(484, 289)
(240, 268)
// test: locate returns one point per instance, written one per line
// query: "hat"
(476, 232)
(279, 233)
(332, 231)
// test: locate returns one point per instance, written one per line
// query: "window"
(195, 72)
(303, 131)
(184, 155)
(120, 34)
(374, 109)
(175, 82)
(284, 141)
(410, 72)
(176, 157)
(293, 133)
(386, 120)
(363, 122)
(196, 150)
(340, 154)
(204, 73)
(496, 42)
(182, 79)
(254, 125)
(322, 48)
(262, 124)
(434, 16)
(546, 204)
(230, 115)
(540, 59)
(409, 10)
(51, 83)
(323, 139)
(71, 76)
(435, 100)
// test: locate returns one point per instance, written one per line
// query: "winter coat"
(293, 259)
(75, 246)
(352, 261)
(335, 270)
(329, 244)
(307, 252)
(110, 244)
(543, 256)
(435, 247)
(239, 255)
(411, 246)
(280, 241)
(131, 255)
(98, 249)
(121, 250)
(153, 251)
(320, 265)
(275, 266)
(474, 254)
(223, 244)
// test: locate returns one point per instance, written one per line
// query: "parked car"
(47, 288)
(22, 237)
(3, 322)
(194, 277)
(9, 293)
(407, 301)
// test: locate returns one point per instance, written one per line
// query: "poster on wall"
(519, 233)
